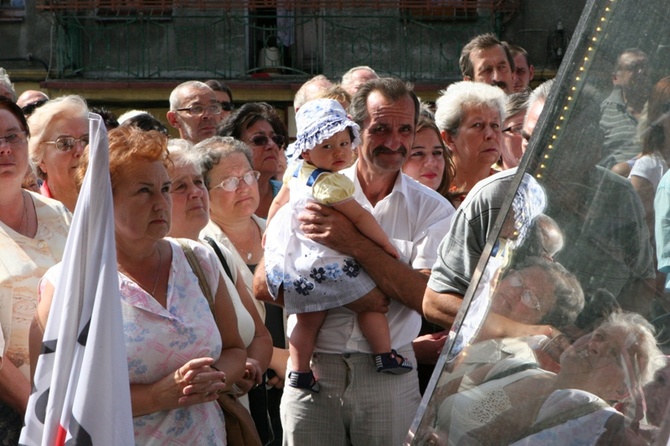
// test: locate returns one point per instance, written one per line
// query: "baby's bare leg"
(303, 339)
(375, 328)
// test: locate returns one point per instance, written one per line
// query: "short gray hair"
(6, 81)
(302, 96)
(460, 96)
(346, 77)
(62, 108)
(540, 93)
(516, 103)
(212, 151)
(175, 96)
(640, 342)
(181, 153)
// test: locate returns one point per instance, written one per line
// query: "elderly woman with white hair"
(517, 403)
(59, 134)
(470, 116)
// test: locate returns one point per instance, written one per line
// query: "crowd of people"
(316, 281)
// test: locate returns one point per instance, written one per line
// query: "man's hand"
(374, 301)
(428, 347)
(331, 228)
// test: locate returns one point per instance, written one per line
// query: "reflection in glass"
(560, 329)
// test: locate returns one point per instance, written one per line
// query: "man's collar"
(399, 186)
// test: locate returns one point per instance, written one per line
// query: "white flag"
(81, 392)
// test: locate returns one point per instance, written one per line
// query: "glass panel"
(554, 341)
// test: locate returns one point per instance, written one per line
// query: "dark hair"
(217, 85)
(567, 291)
(10, 106)
(515, 49)
(481, 42)
(248, 115)
(391, 88)
(146, 122)
(108, 117)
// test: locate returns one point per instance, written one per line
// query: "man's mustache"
(386, 150)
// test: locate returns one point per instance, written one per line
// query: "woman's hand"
(193, 383)
(199, 379)
(278, 365)
(253, 376)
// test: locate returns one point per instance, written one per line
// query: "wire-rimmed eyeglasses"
(231, 184)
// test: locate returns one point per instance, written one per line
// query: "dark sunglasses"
(262, 140)
(227, 106)
(30, 108)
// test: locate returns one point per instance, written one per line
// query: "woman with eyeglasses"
(59, 136)
(190, 214)
(182, 351)
(233, 186)
(515, 111)
(33, 230)
(258, 125)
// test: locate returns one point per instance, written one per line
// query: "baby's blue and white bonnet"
(317, 121)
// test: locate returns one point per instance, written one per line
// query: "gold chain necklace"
(158, 273)
(24, 216)
(249, 253)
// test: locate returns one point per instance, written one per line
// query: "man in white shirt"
(356, 404)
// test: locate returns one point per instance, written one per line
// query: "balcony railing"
(423, 7)
(235, 39)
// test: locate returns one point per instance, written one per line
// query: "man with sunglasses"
(29, 100)
(194, 111)
(621, 111)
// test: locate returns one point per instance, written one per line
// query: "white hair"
(461, 95)
(131, 114)
(4, 80)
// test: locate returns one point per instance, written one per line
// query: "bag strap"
(197, 270)
(215, 246)
(569, 414)
(512, 371)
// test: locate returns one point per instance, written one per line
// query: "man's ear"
(467, 78)
(172, 119)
